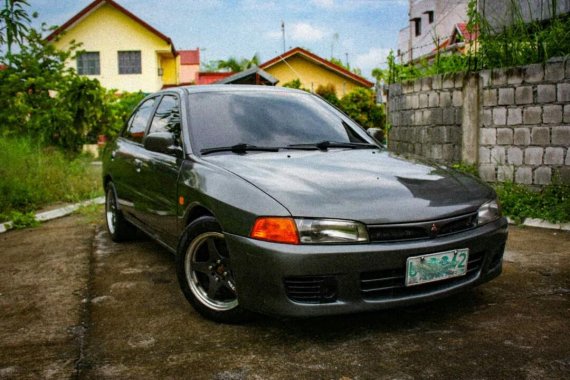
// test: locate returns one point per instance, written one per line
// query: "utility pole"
(334, 40)
(347, 60)
(283, 33)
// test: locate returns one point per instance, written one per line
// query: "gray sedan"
(275, 202)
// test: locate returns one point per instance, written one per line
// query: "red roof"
(460, 29)
(210, 77)
(189, 57)
(467, 36)
(315, 58)
(3, 67)
(94, 6)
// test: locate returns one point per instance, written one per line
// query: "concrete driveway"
(75, 305)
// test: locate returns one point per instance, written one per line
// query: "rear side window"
(139, 121)
(167, 116)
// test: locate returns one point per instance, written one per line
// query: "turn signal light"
(277, 230)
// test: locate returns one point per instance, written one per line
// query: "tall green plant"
(516, 43)
(14, 24)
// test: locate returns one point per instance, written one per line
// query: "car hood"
(371, 186)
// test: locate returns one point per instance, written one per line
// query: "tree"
(14, 24)
(235, 65)
(360, 105)
(43, 99)
(338, 62)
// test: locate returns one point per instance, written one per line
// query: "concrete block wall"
(524, 118)
(426, 117)
(521, 121)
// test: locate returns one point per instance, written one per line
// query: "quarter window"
(139, 121)
(88, 63)
(130, 62)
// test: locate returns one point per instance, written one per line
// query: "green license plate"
(436, 266)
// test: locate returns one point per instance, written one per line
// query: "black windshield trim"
(239, 148)
(324, 145)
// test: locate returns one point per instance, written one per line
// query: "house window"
(430, 16)
(88, 63)
(417, 26)
(130, 62)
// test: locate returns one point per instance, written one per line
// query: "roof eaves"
(95, 5)
(324, 62)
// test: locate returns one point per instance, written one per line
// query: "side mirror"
(376, 133)
(163, 142)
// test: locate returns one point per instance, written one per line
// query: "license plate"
(436, 266)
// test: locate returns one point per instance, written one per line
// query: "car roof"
(232, 88)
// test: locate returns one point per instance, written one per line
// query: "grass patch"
(33, 176)
(23, 220)
(551, 203)
(92, 213)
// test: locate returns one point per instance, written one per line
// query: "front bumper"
(265, 271)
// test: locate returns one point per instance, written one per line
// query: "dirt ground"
(75, 305)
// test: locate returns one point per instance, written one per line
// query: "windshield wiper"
(324, 145)
(239, 148)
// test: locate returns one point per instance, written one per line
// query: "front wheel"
(205, 272)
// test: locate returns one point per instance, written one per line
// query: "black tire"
(119, 229)
(204, 271)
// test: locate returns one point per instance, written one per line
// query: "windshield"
(269, 119)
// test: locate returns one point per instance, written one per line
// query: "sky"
(366, 30)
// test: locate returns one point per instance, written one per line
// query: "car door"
(128, 158)
(159, 203)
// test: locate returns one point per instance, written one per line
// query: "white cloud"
(302, 31)
(273, 35)
(324, 3)
(375, 57)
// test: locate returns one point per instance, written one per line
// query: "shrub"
(551, 203)
(328, 92)
(360, 105)
(34, 176)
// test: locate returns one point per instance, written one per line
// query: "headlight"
(489, 212)
(308, 231)
(319, 231)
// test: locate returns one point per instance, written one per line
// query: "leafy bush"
(42, 99)
(328, 92)
(23, 220)
(360, 105)
(551, 203)
(33, 176)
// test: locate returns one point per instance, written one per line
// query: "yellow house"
(313, 71)
(119, 49)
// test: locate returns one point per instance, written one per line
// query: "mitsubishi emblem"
(433, 229)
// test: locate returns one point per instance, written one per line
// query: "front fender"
(233, 201)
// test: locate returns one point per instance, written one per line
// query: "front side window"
(139, 121)
(88, 63)
(167, 116)
(130, 62)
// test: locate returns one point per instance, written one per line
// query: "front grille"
(421, 230)
(311, 289)
(390, 283)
